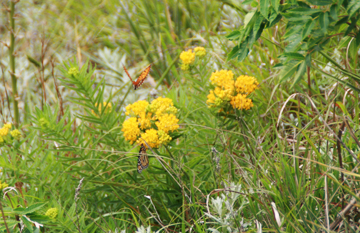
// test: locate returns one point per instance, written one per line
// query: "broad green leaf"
(275, 4)
(334, 11)
(248, 18)
(243, 52)
(233, 52)
(353, 7)
(295, 56)
(296, 17)
(30, 209)
(234, 35)
(307, 29)
(324, 21)
(264, 8)
(299, 73)
(320, 2)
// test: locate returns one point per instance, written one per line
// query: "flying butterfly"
(141, 78)
(143, 160)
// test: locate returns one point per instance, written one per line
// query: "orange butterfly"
(143, 160)
(141, 78)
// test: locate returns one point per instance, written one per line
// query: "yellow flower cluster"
(4, 132)
(3, 185)
(230, 91)
(52, 213)
(73, 71)
(150, 122)
(107, 106)
(188, 57)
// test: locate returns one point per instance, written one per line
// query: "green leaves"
(320, 2)
(264, 8)
(353, 7)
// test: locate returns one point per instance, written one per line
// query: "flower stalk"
(12, 61)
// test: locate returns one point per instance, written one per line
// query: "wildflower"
(187, 57)
(52, 213)
(167, 122)
(161, 105)
(1, 139)
(131, 129)
(73, 71)
(200, 51)
(223, 79)
(241, 102)
(4, 131)
(15, 134)
(144, 120)
(7, 125)
(44, 123)
(246, 84)
(151, 137)
(137, 108)
(3, 185)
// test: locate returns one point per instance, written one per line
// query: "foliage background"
(278, 167)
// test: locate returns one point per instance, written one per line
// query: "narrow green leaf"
(264, 8)
(275, 4)
(243, 52)
(248, 18)
(304, 10)
(30, 209)
(233, 52)
(353, 7)
(307, 29)
(288, 71)
(320, 2)
(324, 21)
(27, 224)
(299, 73)
(296, 56)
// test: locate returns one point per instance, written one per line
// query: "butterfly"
(143, 160)
(141, 78)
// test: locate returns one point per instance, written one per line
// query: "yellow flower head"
(164, 138)
(151, 137)
(137, 108)
(1, 139)
(144, 120)
(4, 131)
(187, 57)
(162, 105)
(223, 79)
(7, 125)
(15, 134)
(246, 84)
(131, 129)
(241, 102)
(52, 213)
(73, 71)
(200, 51)
(167, 122)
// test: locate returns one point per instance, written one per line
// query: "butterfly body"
(143, 160)
(141, 78)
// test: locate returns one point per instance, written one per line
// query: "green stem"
(2, 212)
(12, 63)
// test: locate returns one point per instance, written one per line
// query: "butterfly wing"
(143, 160)
(128, 75)
(142, 77)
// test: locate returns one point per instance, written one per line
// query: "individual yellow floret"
(187, 57)
(131, 129)
(1, 139)
(137, 108)
(52, 213)
(241, 102)
(200, 51)
(246, 84)
(144, 120)
(73, 71)
(167, 122)
(151, 137)
(15, 134)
